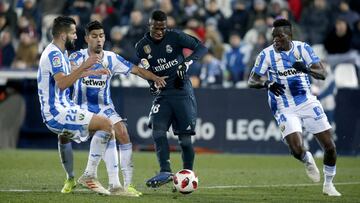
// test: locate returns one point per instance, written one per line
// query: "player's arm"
(64, 81)
(147, 75)
(316, 70)
(187, 41)
(255, 81)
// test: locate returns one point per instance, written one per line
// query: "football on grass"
(185, 181)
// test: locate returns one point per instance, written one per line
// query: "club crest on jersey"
(147, 49)
(56, 62)
(169, 49)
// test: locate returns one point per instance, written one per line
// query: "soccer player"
(93, 93)
(60, 114)
(161, 52)
(286, 65)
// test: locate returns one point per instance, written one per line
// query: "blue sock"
(162, 150)
(66, 157)
(188, 154)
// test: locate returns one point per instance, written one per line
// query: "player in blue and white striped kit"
(93, 93)
(60, 114)
(287, 65)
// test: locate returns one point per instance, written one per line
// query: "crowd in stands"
(235, 31)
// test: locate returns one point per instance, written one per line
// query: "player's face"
(70, 38)
(281, 39)
(96, 40)
(157, 29)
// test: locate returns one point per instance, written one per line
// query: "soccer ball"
(185, 181)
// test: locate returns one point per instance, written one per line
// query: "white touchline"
(204, 187)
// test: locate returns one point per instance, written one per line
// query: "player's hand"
(274, 87)
(300, 66)
(154, 90)
(160, 82)
(91, 61)
(183, 68)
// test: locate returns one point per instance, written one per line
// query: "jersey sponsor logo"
(169, 49)
(93, 82)
(56, 62)
(166, 65)
(147, 49)
(289, 72)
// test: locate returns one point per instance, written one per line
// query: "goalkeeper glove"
(274, 87)
(183, 68)
(300, 66)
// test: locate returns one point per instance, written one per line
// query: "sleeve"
(121, 66)
(187, 41)
(309, 55)
(260, 66)
(76, 58)
(56, 62)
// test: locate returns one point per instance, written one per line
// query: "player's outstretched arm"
(147, 75)
(64, 81)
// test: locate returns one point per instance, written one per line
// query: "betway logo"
(166, 65)
(289, 72)
(94, 82)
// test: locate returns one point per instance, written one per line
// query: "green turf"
(257, 179)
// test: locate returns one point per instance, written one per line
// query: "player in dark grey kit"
(161, 52)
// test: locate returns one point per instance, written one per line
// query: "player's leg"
(291, 129)
(160, 119)
(184, 126)
(66, 157)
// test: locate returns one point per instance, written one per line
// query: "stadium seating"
(345, 76)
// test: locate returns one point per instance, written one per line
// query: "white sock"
(329, 174)
(66, 157)
(125, 152)
(112, 164)
(97, 149)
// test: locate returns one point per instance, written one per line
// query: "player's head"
(95, 36)
(157, 24)
(281, 34)
(64, 29)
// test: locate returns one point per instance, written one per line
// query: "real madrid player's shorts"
(71, 122)
(309, 114)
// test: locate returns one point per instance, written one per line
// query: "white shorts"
(309, 114)
(110, 113)
(71, 122)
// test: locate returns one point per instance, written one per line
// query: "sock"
(125, 153)
(66, 157)
(188, 153)
(162, 150)
(112, 164)
(97, 149)
(306, 157)
(329, 174)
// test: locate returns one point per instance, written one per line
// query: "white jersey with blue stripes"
(52, 99)
(277, 66)
(93, 92)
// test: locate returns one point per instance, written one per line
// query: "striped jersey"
(277, 66)
(93, 92)
(52, 99)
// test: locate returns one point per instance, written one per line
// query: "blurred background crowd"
(235, 31)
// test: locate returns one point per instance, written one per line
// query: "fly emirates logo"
(91, 82)
(165, 65)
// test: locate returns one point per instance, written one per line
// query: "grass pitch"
(37, 176)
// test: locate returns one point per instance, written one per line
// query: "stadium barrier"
(229, 120)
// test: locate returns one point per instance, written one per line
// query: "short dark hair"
(281, 23)
(62, 24)
(93, 25)
(158, 15)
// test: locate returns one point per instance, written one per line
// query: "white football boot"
(311, 169)
(330, 190)
(93, 184)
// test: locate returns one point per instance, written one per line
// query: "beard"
(69, 45)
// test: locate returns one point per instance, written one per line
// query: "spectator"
(347, 14)
(213, 39)
(31, 11)
(258, 11)
(7, 53)
(214, 13)
(137, 27)
(261, 43)
(316, 21)
(83, 9)
(238, 19)
(10, 15)
(27, 52)
(355, 41)
(211, 71)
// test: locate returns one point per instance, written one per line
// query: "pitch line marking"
(205, 187)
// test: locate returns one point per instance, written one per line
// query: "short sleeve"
(260, 66)
(56, 62)
(309, 55)
(121, 65)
